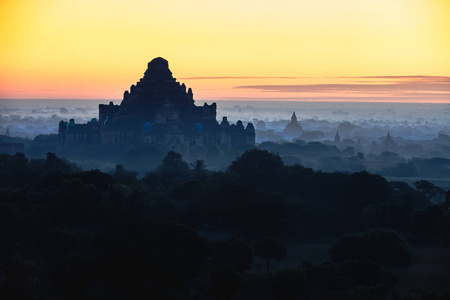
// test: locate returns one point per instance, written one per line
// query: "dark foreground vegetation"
(183, 232)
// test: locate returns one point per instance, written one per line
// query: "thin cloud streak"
(239, 77)
(402, 99)
(418, 78)
(365, 88)
(386, 85)
(405, 77)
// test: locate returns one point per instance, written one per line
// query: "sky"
(312, 50)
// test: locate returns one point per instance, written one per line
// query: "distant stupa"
(337, 139)
(389, 143)
(293, 128)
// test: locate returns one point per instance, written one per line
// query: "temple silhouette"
(159, 111)
(293, 128)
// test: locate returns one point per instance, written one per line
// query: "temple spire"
(337, 138)
(294, 118)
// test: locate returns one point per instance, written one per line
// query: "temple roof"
(158, 69)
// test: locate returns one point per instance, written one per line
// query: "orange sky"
(270, 50)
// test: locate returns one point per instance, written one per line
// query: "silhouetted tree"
(289, 283)
(124, 176)
(76, 274)
(240, 209)
(424, 223)
(16, 280)
(427, 189)
(257, 167)
(270, 248)
(158, 252)
(447, 200)
(364, 272)
(351, 246)
(443, 229)
(95, 177)
(173, 169)
(54, 164)
(225, 282)
(382, 246)
(351, 279)
(386, 247)
(199, 169)
(232, 252)
(356, 191)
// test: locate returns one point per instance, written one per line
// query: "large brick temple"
(158, 111)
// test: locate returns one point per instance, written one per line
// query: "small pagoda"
(293, 128)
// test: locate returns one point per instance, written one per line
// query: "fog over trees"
(390, 139)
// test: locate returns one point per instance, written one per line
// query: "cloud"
(407, 78)
(239, 77)
(425, 85)
(412, 79)
(349, 88)
(369, 98)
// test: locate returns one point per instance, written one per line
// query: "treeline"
(184, 232)
(349, 157)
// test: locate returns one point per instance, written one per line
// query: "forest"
(259, 229)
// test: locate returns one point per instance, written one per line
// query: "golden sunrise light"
(375, 50)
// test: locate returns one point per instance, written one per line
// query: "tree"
(256, 162)
(95, 177)
(54, 164)
(349, 247)
(447, 200)
(225, 282)
(289, 283)
(199, 168)
(124, 176)
(257, 167)
(232, 252)
(382, 246)
(173, 169)
(443, 229)
(160, 252)
(355, 191)
(270, 248)
(14, 170)
(427, 189)
(424, 223)
(241, 209)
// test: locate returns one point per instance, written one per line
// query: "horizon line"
(335, 99)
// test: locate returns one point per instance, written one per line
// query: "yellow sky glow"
(95, 49)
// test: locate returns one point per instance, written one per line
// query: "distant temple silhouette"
(159, 111)
(337, 139)
(293, 128)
